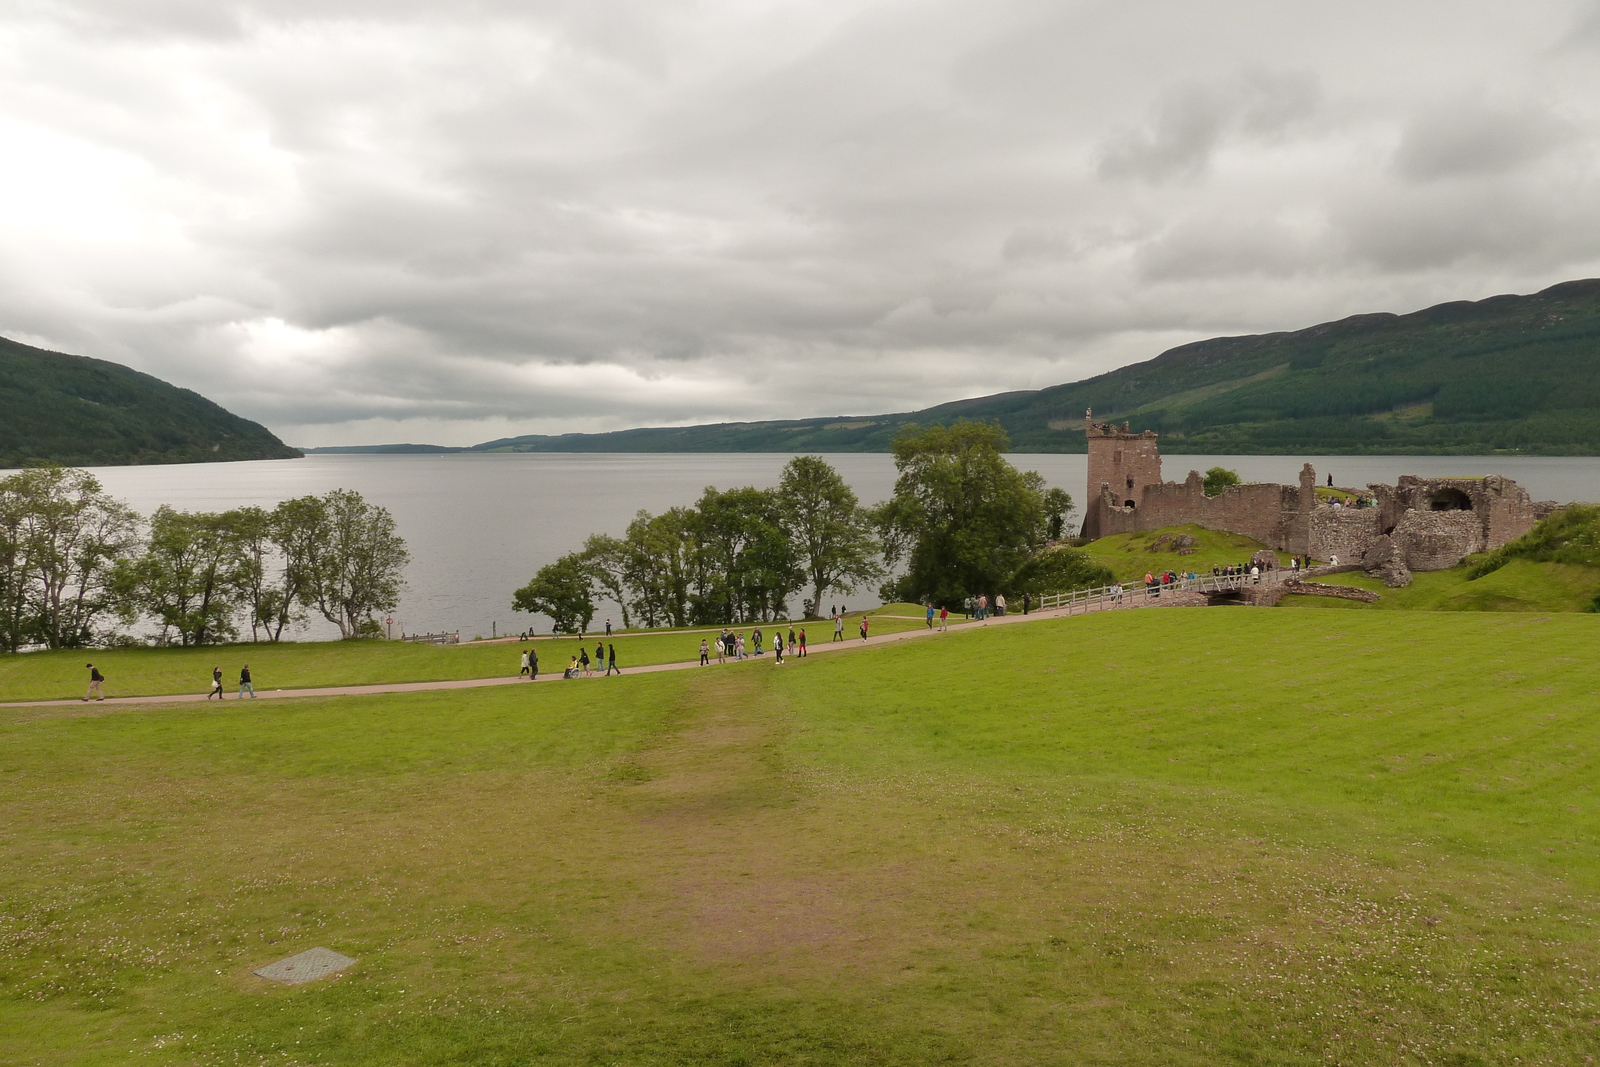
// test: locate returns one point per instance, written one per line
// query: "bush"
(1217, 479)
(1059, 570)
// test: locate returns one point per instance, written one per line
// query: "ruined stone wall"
(1344, 532)
(1438, 540)
(1266, 511)
(1511, 511)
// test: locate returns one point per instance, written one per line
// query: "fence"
(434, 639)
(1138, 595)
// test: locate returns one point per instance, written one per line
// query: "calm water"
(479, 526)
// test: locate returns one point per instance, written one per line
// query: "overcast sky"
(361, 221)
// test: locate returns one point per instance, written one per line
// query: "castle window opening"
(1130, 481)
(1450, 500)
(1128, 504)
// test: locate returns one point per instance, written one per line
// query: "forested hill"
(89, 412)
(1507, 373)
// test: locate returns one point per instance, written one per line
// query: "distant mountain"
(89, 412)
(1510, 373)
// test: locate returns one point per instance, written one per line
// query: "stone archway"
(1449, 499)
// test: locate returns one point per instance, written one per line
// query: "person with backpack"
(930, 614)
(245, 683)
(96, 680)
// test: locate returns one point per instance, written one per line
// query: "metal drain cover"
(308, 966)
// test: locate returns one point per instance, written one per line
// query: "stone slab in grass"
(308, 966)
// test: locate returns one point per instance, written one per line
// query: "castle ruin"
(1421, 524)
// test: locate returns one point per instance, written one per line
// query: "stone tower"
(1120, 460)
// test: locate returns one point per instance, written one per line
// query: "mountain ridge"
(80, 411)
(1509, 373)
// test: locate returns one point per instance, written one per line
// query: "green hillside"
(88, 412)
(1510, 373)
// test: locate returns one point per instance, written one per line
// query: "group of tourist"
(981, 608)
(730, 645)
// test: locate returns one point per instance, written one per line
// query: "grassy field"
(1157, 837)
(299, 664)
(1520, 585)
(1130, 556)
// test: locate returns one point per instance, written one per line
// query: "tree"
(354, 561)
(606, 560)
(962, 518)
(831, 531)
(745, 567)
(1059, 570)
(662, 551)
(562, 591)
(63, 537)
(1057, 507)
(187, 578)
(1217, 479)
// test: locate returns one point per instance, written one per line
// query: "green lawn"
(1520, 585)
(1156, 837)
(299, 664)
(1130, 556)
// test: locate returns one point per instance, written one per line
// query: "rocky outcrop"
(1384, 561)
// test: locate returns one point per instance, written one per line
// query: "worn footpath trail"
(852, 641)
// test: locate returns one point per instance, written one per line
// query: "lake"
(479, 526)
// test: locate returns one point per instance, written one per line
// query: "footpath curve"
(1172, 600)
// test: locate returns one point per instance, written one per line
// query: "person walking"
(738, 648)
(216, 684)
(96, 680)
(864, 619)
(245, 683)
(755, 639)
(777, 650)
(791, 637)
(1255, 574)
(533, 665)
(611, 661)
(999, 605)
(1027, 602)
(608, 629)
(838, 627)
(599, 656)
(722, 646)
(802, 642)
(705, 653)
(583, 661)
(930, 614)
(524, 669)
(944, 617)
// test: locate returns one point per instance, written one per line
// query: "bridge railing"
(1137, 594)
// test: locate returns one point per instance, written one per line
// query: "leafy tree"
(606, 560)
(562, 591)
(1059, 570)
(831, 532)
(353, 558)
(1217, 479)
(662, 551)
(187, 578)
(1057, 507)
(962, 518)
(62, 537)
(746, 567)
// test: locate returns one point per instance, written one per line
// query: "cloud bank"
(359, 221)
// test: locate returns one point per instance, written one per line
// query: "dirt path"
(852, 641)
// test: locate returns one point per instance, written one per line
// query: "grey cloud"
(1192, 120)
(1469, 137)
(509, 217)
